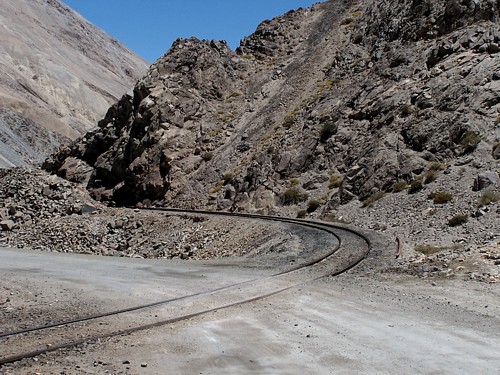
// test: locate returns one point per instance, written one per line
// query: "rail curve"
(329, 228)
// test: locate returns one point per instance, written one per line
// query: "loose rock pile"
(29, 196)
(470, 263)
(48, 213)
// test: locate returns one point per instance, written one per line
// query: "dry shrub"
(437, 166)
(457, 220)
(335, 181)
(372, 199)
(441, 197)
(292, 196)
(313, 205)
(207, 156)
(469, 142)
(488, 197)
(430, 176)
(416, 185)
(399, 186)
(301, 214)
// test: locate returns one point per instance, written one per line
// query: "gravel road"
(361, 322)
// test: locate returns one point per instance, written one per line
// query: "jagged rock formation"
(336, 103)
(58, 76)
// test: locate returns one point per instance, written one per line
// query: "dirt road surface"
(361, 322)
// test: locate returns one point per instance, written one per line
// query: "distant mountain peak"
(58, 71)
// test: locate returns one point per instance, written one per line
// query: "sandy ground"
(361, 322)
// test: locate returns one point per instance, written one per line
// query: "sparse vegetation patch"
(326, 84)
(335, 181)
(469, 142)
(436, 166)
(347, 21)
(301, 214)
(416, 185)
(314, 204)
(430, 176)
(428, 249)
(234, 95)
(399, 186)
(488, 197)
(292, 196)
(207, 156)
(372, 199)
(457, 220)
(215, 190)
(407, 109)
(289, 119)
(227, 178)
(313, 98)
(441, 197)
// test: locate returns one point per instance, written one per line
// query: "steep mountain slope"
(317, 110)
(198, 101)
(58, 75)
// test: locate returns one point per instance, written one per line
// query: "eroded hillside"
(58, 76)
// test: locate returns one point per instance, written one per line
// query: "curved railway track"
(340, 258)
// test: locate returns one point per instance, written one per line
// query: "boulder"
(75, 170)
(496, 151)
(7, 225)
(485, 180)
(87, 209)
(4, 214)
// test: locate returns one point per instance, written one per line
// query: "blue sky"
(149, 27)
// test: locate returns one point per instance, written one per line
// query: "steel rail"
(210, 291)
(327, 227)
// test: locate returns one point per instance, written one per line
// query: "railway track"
(347, 250)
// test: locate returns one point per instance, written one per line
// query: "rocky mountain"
(342, 110)
(58, 75)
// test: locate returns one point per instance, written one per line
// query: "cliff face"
(328, 104)
(58, 76)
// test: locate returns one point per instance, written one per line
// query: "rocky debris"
(47, 213)
(472, 263)
(29, 196)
